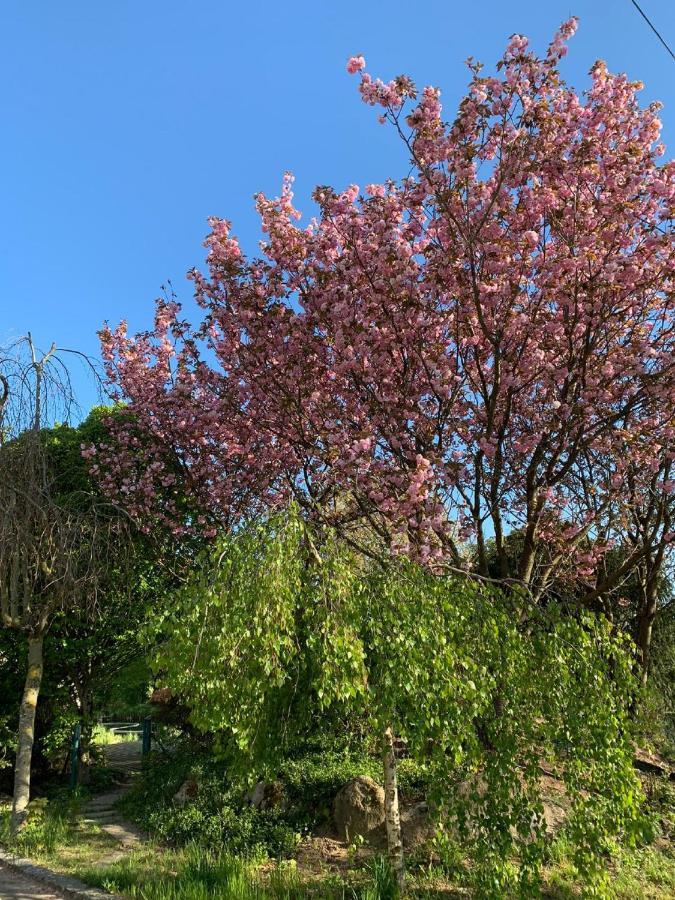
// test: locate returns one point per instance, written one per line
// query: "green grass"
(47, 828)
(54, 837)
(102, 736)
(647, 873)
(192, 873)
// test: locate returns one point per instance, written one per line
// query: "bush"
(220, 815)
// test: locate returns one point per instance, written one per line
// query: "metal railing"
(142, 728)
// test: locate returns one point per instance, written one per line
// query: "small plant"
(355, 845)
(383, 884)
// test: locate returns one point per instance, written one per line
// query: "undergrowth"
(220, 816)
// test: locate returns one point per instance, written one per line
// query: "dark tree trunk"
(645, 626)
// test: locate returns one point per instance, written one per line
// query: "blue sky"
(127, 123)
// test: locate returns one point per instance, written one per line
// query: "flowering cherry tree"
(485, 345)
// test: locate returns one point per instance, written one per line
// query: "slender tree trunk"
(87, 707)
(645, 626)
(24, 751)
(391, 810)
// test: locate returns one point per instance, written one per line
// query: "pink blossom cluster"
(485, 345)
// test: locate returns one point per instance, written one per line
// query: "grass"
(102, 736)
(192, 874)
(54, 837)
(195, 874)
(644, 874)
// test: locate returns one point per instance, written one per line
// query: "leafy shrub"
(220, 815)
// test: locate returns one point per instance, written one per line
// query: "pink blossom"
(355, 64)
(410, 356)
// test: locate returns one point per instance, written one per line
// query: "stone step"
(98, 802)
(106, 800)
(101, 810)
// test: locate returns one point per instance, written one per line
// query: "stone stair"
(102, 811)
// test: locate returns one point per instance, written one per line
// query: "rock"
(417, 827)
(186, 792)
(653, 764)
(359, 808)
(266, 795)
(555, 801)
(555, 817)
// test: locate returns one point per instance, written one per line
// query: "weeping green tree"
(279, 625)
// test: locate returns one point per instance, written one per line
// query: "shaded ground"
(14, 886)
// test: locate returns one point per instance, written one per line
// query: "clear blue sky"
(128, 122)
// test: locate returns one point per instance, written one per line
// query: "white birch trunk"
(391, 810)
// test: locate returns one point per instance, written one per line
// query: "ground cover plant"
(196, 868)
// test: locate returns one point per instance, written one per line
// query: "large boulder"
(359, 808)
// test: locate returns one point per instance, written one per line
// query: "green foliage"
(636, 874)
(93, 649)
(103, 737)
(127, 693)
(7, 741)
(56, 741)
(220, 816)
(270, 634)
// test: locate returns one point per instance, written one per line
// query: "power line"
(653, 28)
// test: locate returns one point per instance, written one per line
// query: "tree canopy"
(484, 345)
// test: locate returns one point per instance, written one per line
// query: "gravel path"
(14, 886)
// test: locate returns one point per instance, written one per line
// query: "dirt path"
(14, 886)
